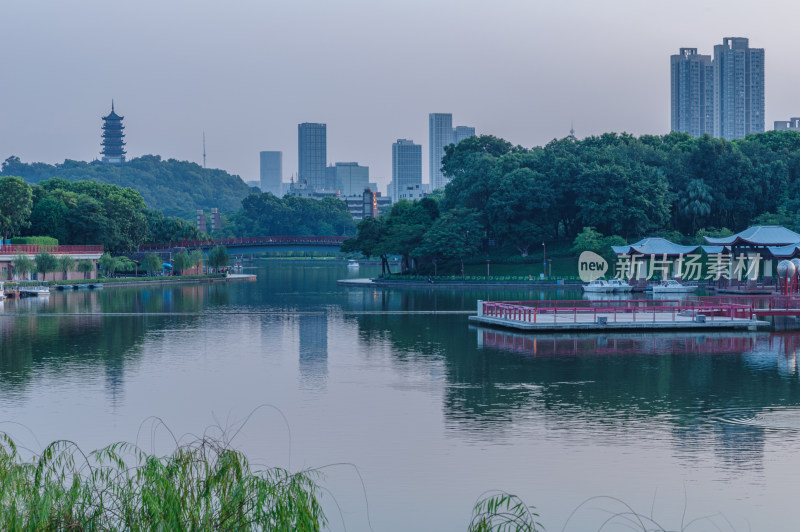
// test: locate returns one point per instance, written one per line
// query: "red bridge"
(252, 243)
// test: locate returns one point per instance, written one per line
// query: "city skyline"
(204, 58)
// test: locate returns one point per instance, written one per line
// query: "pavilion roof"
(759, 235)
(662, 246)
(654, 246)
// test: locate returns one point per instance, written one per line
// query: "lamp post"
(544, 259)
(550, 268)
(487, 269)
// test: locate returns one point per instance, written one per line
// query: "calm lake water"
(412, 416)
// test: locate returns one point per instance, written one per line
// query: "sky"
(246, 72)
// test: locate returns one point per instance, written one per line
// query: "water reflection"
(313, 335)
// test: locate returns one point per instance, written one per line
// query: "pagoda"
(113, 145)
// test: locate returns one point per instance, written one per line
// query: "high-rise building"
(462, 132)
(113, 145)
(692, 93)
(738, 88)
(311, 155)
(271, 172)
(406, 167)
(440, 134)
(350, 179)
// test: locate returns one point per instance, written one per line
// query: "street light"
(544, 259)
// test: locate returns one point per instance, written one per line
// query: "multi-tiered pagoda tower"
(113, 145)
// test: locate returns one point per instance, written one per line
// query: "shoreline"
(383, 283)
(125, 281)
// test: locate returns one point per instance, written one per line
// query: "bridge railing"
(33, 249)
(248, 241)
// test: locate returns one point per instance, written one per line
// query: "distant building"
(692, 93)
(271, 172)
(368, 203)
(312, 154)
(350, 179)
(201, 222)
(113, 145)
(440, 134)
(406, 167)
(216, 220)
(462, 132)
(793, 124)
(738, 88)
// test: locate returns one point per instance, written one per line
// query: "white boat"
(352, 264)
(671, 286)
(597, 286)
(40, 291)
(619, 285)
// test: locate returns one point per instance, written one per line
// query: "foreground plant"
(204, 485)
(501, 511)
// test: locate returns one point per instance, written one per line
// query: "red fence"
(33, 249)
(249, 241)
(537, 312)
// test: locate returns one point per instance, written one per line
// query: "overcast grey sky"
(247, 72)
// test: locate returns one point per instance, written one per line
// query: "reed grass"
(203, 485)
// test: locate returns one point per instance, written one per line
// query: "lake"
(410, 415)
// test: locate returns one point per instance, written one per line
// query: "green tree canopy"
(46, 263)
(16, 202)
(218, 257)
(456, 234)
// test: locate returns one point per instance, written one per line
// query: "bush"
(35, 240)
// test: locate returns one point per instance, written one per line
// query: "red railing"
(33, 249)
(249, 241)
(533, 312)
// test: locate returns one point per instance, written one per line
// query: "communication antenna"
(204, 149)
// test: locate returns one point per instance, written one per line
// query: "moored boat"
(671, 286)
(619, 285)
(597, 286)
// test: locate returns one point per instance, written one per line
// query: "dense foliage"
(176, 188)
(267, 215)
(615, 184)
(86, 212)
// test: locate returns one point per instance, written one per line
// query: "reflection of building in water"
(313, 332)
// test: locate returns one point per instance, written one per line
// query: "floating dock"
(641, 315)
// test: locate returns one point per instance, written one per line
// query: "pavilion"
(661, 249)
(769, 241)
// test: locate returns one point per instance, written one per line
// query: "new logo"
(591, 266)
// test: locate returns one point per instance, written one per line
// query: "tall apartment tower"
(738, 88)
(440, 134)
(311, 155)
(406, 166)
(692, 93)
(271, 169)
(462, 132)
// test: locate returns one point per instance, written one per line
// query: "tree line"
(85, 212)
(677, 186)
(264, 214)
(177, 188)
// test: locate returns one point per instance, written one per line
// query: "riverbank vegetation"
(202, 485)
(84, 212)
(589, 194)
